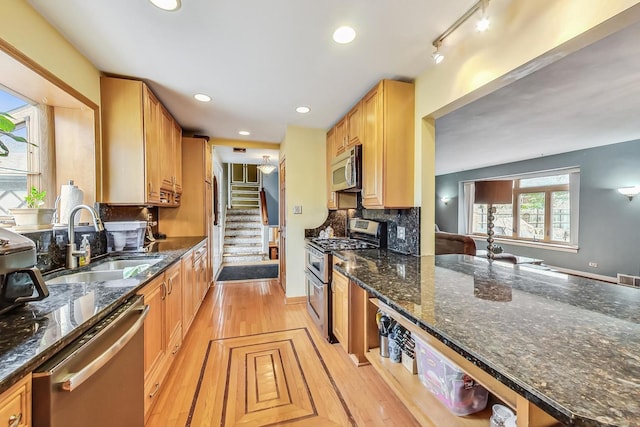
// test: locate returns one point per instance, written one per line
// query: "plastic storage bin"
(452, 386)
(125, 236)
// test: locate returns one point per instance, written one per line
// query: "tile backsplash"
(407, 218)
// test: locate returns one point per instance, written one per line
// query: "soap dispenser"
(85, 247)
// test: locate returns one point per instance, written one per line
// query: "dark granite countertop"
(569, 344)
(31, 334)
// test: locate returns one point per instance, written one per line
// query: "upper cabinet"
(140, 137)
(383, 122)
(388, 146)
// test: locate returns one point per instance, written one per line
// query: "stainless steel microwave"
(346, 170)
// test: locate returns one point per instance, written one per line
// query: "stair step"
(234, 211)
(243, 258)
(244, 249)
(244, 218)
(240, 232)
(235, 240)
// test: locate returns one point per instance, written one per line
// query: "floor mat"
(248, 272)
(267, 379)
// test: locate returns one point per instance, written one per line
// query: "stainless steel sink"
(87, 276)
(124, 263)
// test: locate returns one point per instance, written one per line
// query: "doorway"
(283, 226)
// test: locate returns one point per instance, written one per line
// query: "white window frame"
(574, 201)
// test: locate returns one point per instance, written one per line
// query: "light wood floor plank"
(240, 309)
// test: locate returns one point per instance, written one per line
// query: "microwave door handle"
(348, 171)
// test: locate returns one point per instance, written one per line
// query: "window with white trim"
(544, 209)
(20, 169)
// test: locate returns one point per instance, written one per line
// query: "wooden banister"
(263, 207)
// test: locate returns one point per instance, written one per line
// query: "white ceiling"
(252, 156)
(587, 99)
(257, 59)
(261, 59)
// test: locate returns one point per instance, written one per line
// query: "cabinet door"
(152, 126)
(340, 300)
(155, 337)
(372, 149)
(15, 404)
(177, 156)
(331, 195)
(174, 305)
(187, 292)
(340, 140)
(354, 121)
(166, 150)
(252, 176)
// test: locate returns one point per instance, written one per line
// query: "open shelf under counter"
(424, 406)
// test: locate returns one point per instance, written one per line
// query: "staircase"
(243, 236)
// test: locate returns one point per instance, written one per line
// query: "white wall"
(523, 32)
(218, 230)
(304, 151)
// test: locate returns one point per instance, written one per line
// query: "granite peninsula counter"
(568, 344)
(31, 334)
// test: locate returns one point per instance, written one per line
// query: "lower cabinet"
(348, 316)
(15, 404)
(163, 329)
(195, 283)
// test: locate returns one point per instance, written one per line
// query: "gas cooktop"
(341, 243)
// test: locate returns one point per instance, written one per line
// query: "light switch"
(297, 209)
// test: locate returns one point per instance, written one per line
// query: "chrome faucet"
(72, 251)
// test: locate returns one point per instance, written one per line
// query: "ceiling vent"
(239, 150)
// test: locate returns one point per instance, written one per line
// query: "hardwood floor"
(248, 321)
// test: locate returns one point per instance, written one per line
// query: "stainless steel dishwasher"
(97, 380)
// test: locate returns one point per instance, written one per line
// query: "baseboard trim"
(295, 300)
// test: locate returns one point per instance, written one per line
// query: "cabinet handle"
(164, 290)
(14, 420)
(170, 286)
(175, 349)
(155, 390)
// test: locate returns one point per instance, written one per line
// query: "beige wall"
(475, 66)
(304, 152)
(29, 33)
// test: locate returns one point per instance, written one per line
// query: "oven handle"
(317, 283)
(85, 373)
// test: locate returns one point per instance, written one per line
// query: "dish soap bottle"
(85, 246)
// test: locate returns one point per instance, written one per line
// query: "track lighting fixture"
(437, 55)
(482, 25)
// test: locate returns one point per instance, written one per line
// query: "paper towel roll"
(70, 197)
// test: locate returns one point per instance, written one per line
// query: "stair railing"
(263, 207)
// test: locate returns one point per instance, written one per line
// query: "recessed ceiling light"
(169, 5)
(344, 35)
(244, 133)
(202, 97)
(303, 110)
(483, 24)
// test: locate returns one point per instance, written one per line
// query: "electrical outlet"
(297, 209)
(400, 233)
(593, 264)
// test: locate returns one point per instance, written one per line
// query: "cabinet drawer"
(15, 404)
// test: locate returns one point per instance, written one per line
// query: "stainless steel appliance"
(363, 234)
(346, 170)
(20, 280)
(98, 380)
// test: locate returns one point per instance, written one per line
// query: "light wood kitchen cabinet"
(331, 195)
(195, 283)
(170, 159)
(162, 330)
(340, 301)
(15, 404)
(349, 303)
(354, 126)
(136, 131)
(155, 339)
(173, 279)
(341, 137)
(194, 216)
(388, 146)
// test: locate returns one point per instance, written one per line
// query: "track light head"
(437, 55)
